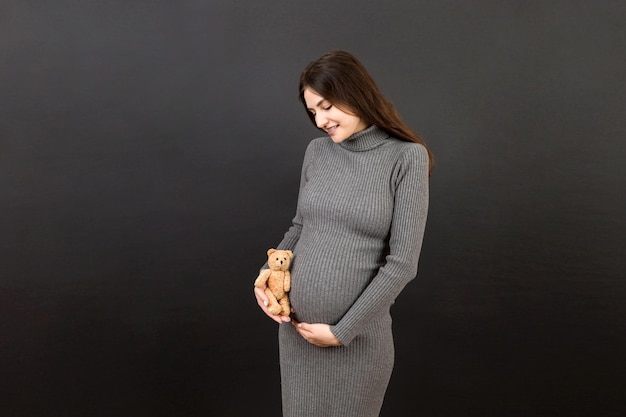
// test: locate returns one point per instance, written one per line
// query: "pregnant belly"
(324, 295)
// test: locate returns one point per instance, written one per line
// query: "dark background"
(141, 146)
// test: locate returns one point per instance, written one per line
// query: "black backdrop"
(142, 144)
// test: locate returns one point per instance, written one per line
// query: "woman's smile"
(338, 123)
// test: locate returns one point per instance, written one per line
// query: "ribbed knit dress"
(356, 238)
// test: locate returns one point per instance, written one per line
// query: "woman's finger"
(261, 299)
(260, 296)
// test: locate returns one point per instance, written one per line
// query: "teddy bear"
(277, 279)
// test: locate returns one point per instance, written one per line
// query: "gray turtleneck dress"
(356, 238)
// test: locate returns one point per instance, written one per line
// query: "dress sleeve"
(292, 235)
(405, 243)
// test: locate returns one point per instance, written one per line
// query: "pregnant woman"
(356, 239)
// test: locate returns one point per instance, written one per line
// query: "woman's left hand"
(317, 334)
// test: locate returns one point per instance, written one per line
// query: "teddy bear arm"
(287, 283)
(262, 278)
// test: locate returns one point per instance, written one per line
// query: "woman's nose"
(320, 120)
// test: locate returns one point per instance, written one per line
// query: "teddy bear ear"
(290, 253)
(270, 251)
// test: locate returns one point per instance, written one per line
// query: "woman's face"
(338, 124)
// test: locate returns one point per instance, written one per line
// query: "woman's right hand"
(261, 300)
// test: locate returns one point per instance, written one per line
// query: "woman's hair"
(340, 78)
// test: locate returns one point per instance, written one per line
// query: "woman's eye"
(328, 107)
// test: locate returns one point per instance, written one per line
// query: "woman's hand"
(317, 334)
(261, 300)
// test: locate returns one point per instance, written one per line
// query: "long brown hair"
(340, 78)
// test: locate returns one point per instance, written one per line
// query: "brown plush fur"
(278, 281)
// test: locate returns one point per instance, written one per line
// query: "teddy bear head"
(279, 260)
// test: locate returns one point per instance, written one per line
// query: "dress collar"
(365, 140)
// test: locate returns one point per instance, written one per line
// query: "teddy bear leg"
(285, 307)
(272, 306)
